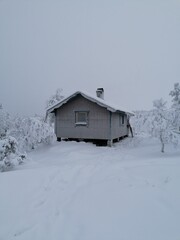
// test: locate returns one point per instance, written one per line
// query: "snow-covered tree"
(58, 96)
(9, 149)
(9, 153)
(32, 131)
(156, 123)
(141, 121)
(161, 126)
(175, 94)
(5, 122)
(20, 134)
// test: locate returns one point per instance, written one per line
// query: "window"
(121, 119)
(81, 118)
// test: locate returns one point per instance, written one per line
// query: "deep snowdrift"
(79, 191)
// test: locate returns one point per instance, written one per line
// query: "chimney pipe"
(100, 93)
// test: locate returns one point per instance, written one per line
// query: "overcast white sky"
(131, 48)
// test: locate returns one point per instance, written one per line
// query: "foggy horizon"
(130, 48)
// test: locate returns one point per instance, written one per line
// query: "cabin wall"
(98, 120)
(118, 129)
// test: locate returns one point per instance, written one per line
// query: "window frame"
(82, 123)
(121, 119)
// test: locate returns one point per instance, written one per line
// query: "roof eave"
(64, 101)
(57, 105)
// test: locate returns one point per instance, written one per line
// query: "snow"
(77, 191)
(111, 107)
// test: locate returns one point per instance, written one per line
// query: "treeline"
(19, 135)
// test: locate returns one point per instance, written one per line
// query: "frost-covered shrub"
(158, 123)
(9, 153)
(32, 131)
(175, 94)
(140, 122)
(162, 124)
(18, 135)
(5, 122)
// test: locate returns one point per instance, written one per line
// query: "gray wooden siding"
(118, 129)
(98, 121)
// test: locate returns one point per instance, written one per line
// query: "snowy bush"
(18, 135)
(175, 94)
(158, 123)
(161, 124)
(5, 122)
(140, 122)
(32, 131)
(9, 153)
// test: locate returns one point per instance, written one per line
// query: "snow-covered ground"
(77, 191)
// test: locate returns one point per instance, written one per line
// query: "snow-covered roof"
(97, 100)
